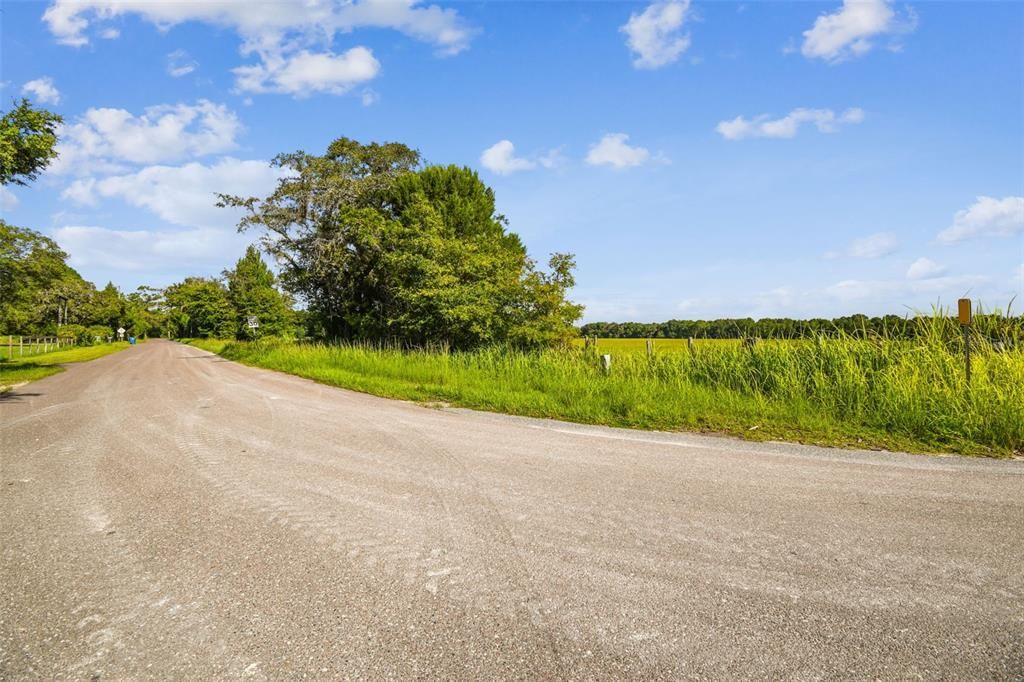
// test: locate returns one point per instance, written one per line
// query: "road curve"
(168, 514)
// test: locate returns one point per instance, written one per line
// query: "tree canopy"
(35, 281)
(199, 307)
(379, 248)
(28, 143)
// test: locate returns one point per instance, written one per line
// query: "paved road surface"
(168, 514)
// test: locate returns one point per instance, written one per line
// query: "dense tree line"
(201, 307)
(858, 326)
(376, 246)
(40, 294)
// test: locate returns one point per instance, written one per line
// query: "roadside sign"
(120, 332)
(964, 310)
(253, 322)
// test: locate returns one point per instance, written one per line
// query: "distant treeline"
(891, 326)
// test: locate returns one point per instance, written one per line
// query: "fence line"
(20, 346)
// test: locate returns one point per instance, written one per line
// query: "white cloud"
(179, 64)
(8, 201)
(825, 120)
(986, 217)
(43, 90)
(280, 34)
(655, 35)
(103, 140)
(897, 290)
(369, 97)
(849, 31)
(262, 23)
(110, 34)
(146, 250)
(551, 158)
(612, 150)
(501, 158)
(304, 72)
(182, 195)
(924, 268)
(872, 246)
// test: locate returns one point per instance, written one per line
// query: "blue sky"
(700, 159)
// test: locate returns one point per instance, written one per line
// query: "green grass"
(26, 352)
(212, 345)
(880, 393)
(30, 368)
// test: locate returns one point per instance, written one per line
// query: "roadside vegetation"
(880, 392)
(401, 279)
(18, 370)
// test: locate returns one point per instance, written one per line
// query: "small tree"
(252, 293)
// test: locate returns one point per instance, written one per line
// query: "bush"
(96, 330)
(72, 331)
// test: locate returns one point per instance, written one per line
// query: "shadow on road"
(211, 358)
(15, 396)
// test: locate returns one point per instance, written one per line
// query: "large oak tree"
(380, 248)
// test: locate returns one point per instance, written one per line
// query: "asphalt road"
(168, 514)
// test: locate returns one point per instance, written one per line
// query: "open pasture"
(614, 346)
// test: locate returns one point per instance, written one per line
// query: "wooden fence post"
(21, 346)
(689, 343)
(650, 349)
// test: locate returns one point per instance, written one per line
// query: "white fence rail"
(21, 346)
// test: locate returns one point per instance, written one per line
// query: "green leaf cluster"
(28, 143)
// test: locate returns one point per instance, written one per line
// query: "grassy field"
(30, 368)
(615, 346)
(893, 394)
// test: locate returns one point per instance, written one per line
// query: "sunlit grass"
(888, 393)
(212, 345)
(14, 352)
(18, 370)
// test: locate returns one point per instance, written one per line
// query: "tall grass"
(879, 392)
